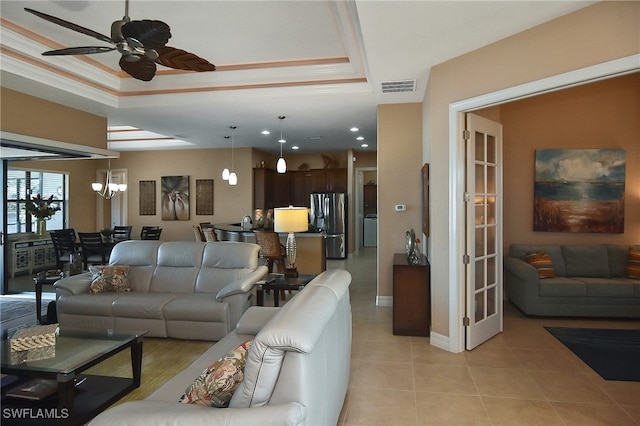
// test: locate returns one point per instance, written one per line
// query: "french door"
(483, 259)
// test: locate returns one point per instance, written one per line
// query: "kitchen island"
(310, 251)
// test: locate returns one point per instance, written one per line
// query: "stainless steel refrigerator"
(328, 215)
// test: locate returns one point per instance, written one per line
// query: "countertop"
(236, 228)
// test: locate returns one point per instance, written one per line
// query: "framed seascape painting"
(175, 197)
(579, 190)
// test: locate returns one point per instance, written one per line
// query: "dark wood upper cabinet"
(272, 189)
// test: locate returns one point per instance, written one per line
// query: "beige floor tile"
(568, 387)
(422, 352)
(592, 414)
(532, 340)
(383, 375)
(633, 411)
(443, 378)
(620, 392)
(374, 350)
(380, 407)
(545, 360)
(505, 382)
(486, 356)
(521, 412)
(450, 409)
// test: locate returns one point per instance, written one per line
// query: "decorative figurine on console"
(413, 248)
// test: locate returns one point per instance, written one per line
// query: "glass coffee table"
(79, 397)
(277, 282)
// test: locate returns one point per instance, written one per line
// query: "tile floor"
(523, 376)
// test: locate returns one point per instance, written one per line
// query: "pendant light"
(281, 165)
(225, 172)
(233, 178)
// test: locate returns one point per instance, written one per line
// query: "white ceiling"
(319, 63)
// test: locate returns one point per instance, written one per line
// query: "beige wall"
(31, 116)
(599, 115)
(594, 35)
(231, 203)
(399, 165)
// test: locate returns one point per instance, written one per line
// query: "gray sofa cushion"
(618, 256)
(586, 261)
(607, 287)
(562, 287)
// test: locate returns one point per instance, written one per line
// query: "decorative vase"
(41, 228)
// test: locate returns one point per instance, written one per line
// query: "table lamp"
(291, 219)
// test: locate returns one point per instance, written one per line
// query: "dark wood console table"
(411, 297)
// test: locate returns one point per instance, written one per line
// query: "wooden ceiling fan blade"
(83, 50)
(143, 69)
(181, 59)
(152, 34)
(70, 25)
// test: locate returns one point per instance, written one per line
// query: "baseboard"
(439, 341)
(384, 300)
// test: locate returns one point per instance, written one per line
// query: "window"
(21, 185)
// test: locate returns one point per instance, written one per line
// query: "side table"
(411, 297)
(43, 278)
(280, 282)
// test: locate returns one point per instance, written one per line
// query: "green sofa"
(589, 281)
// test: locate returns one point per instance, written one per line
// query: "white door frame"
(456, 170)
(359, 192)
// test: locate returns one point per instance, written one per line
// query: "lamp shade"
(290, 219)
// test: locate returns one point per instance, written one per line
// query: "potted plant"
(42, 209)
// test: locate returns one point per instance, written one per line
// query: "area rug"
(19, 311)
(612, 353)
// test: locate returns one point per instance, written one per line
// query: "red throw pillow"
(633, 264)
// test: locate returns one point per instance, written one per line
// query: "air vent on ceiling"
(399, 86)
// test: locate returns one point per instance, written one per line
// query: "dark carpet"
(612, 353)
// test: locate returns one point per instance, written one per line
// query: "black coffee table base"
(281, 282)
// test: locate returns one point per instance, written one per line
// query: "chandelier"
(110, 188)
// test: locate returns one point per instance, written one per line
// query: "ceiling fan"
(141, 43)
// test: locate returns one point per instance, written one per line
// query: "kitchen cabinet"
(272, 189)
(411, 297)
(370, 199)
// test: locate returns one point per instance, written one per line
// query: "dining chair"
(64, 245)
(145, 229)
(197, 231)
(121, 233)
(209, 234)
(152, 234)
(94, 251)
(273, 251)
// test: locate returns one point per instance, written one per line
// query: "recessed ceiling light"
(360, 138)
(265, 132)
(364, 145)
(354, 129)
(295, 147)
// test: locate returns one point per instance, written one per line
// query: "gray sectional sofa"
(589, 281)
(180, 289)
(296, 371)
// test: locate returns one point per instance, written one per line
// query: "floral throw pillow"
(633, 263)
(106, 278)
(542, 262)
(216, 385)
